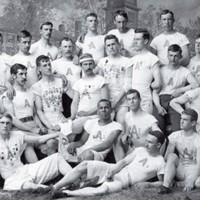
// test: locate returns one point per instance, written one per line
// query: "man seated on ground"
(174, 79)
(22, 108)
(141, 165)
(98, 136)
(48, 99)
(87, 92)
(31, 176)
(185, 166)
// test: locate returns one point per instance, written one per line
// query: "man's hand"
(110, 176)
(10, 93)
(56, 128)
(43, 130)
(83, 113)
(64, 80)
(161, 111)
(188, 187)
(71, 149)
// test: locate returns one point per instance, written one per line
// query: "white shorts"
(38, 173)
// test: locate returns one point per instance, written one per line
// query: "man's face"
(66, 48)
(46, 31)
(5, 126)
(133, 101)
(139, 41)
(21, 77)
(88, 67)
(25, 44)
(45, 67)
(186, 123)
(104, 110)
(112, 47)
(174, 58)
(120, 23)
(152, 144)
(167, 21)
(92, 23)
(197, 46)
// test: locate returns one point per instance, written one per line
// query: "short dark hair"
(92, 14)
(132, 91)
(23, 34)
(14, 68)
(146, 34)
(192, 113)
(121, 13)
(164, 12)
(7, 115)
(175, 48)
(66, 39)
(41, 58)
(104, 100)
(159, 135)
(46, 23)
(197, 36)
(109, 37)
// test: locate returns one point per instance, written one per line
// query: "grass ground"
(129, 194)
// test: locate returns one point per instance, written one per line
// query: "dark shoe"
(164, 190)
(58, 194)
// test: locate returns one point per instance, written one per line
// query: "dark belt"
(27, 119)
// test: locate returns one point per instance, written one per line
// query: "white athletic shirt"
(114, 73)
(29, 62)
(186, 146)
(90, 92)
(10, 153)
(142, 74)
(173, 79)
(51, 95)
(139, 126)
(163, 41)
(4, 66)
(194, 67)
(23, 103)
(126, 40)
(93, 45)
(98, 134)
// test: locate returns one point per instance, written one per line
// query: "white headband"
(84, 59)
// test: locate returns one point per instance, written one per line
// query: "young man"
(87, 92)
(65, 66)
(143, 73)
(44, 46)
(186, 165)
(139, 166)
(48, 99)
(174, 77)
(123, 33)
(168, 37)
(98, 136)
(91, 42)
(31, 176)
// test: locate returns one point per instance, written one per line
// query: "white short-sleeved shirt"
(51, 95)
(126, 40)
(93, 45)
(29, 62)
(173, 79)
(139, 126)
(194, 67)
(186, 146)
(163, 41)
(90, 92)
(114, 73)
(142, 74)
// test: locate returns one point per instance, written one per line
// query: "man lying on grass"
(30, 176)
(141, 165)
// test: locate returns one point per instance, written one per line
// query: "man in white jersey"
(143, 73)
(65, 66)
(91, 41)
(98, 136)
(141, 165)
(194, 64)
(48, 99)
(44, 46)
(174, 78)
(186, 165)
(87, 92)
(137, 123)
(168, 37)
(124, 34)
(30, 176)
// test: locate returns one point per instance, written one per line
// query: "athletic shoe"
(164, 190)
